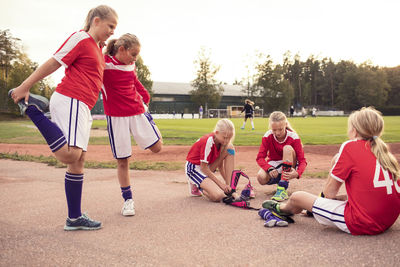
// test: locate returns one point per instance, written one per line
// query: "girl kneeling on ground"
(212, 151)
(281, 155)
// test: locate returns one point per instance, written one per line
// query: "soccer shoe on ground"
(40, 102)
(272, 205)
(280, 194)
(271, 219)
(128, 209)
(82, 223)
(194, 191)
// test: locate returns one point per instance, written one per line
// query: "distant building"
(169, 97)
(172, 97)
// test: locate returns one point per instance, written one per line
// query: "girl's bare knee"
(261, 179)
(156, 147)
(288, 148)
(69, 155)
(289, 154)
(295, 195)
(68, 159)
(298, 197)
(216, 197)
(122, 163)
(76, 166)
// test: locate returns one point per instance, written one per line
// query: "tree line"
(315, 82)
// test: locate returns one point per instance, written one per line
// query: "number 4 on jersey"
(387, 182)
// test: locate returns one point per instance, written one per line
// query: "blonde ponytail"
(369, 124)
(385, 157)
(110, 49)
(102, 11)
(127, 40)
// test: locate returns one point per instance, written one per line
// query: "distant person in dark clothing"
(249, 111)
(291, 111)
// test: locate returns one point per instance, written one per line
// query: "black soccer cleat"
(82, 223)
(40, 102)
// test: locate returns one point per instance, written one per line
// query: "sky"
(172, 32)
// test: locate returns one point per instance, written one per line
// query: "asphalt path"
(169, 228)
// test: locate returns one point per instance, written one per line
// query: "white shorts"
(142, 128)
(330, 212)
(277, 164)
(194, 174)
(73, 118)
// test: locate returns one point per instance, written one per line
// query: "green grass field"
(320, 130)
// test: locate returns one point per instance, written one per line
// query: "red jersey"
(373, 197)
(123, 93)
(204, 150)
(272, 149)
(84, 66)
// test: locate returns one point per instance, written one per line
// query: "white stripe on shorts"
(73, 118)
(194, 173)
(111, 135)
(73, 122)
(330, 212)
(120, 129)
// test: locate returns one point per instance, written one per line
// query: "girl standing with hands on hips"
(371, 176)
(281, 155)
(125, 103)
(67, 134)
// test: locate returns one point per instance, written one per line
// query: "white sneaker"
(129, 208)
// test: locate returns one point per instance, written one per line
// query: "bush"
(389, 110)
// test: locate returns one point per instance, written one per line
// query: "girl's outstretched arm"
(43, 71)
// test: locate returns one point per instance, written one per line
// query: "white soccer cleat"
(129, 208)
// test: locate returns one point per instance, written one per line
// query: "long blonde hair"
(369, 124)
(248, 101)
(226, 126)
(127, 40)
(278, 116)
(102, 11)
